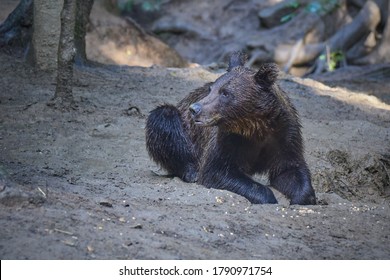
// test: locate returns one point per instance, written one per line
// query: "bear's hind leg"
(169, 145)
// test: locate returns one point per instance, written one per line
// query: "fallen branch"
(364, 23)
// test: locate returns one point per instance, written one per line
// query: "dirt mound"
(115, 40)
(364, 179)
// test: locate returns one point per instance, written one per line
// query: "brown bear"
(241, 124)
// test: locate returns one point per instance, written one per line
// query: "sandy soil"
(80, 185)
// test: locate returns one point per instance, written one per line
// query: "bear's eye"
(224, 93)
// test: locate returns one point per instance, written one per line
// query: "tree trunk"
(66, 54)
(16, 32)
(46, 34)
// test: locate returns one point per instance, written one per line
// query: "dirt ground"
(80, 185)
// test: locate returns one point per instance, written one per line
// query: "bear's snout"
(195, 109)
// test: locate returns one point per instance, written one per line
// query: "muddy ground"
(80, 185)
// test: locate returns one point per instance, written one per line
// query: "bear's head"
(240, 100)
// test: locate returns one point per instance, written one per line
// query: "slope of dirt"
(114, 40)
(80, 185)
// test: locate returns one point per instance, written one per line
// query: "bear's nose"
(195, 109)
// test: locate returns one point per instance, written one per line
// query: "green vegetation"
(320, 7)
(334, 59)
(146, 6)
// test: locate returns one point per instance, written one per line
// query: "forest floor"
(80, 184)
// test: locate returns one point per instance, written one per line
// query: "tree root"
(357, 41)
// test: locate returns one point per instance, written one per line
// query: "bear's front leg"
(218, 175)
(295, 183)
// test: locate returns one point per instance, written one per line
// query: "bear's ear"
(237, 59)
(267, 74)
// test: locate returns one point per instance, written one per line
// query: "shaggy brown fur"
(225, 131)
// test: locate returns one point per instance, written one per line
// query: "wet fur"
(257, 131)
